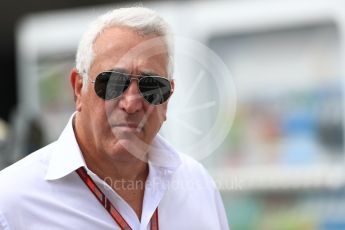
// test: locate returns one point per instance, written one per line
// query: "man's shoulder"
(22, 174)
(28, 164)
(193, 188)
(189, 163)
(192, 170)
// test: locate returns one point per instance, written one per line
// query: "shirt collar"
(163, 155)
(67, 157)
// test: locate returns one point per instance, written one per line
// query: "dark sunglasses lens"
(110, 85)
(155, 90)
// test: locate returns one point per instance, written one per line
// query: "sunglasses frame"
(138, 78)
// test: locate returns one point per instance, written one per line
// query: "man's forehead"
(124, 37)
(133, 66)
(119, 47)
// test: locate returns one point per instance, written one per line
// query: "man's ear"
(77, 85)
(172, 86)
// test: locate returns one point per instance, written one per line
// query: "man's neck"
(127, 179)
(127, 168)
(125, 173)
(117, 170)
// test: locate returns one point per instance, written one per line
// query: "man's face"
(119, 128)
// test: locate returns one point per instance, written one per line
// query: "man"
(110, 169)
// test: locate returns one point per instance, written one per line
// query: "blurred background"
(280, 166)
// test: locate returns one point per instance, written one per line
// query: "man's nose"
(132, 100)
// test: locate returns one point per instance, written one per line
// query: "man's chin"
(129, 148)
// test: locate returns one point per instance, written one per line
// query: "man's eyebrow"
(141, 73)
(148, 73)
(119, 70)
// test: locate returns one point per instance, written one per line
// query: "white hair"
(140, 19)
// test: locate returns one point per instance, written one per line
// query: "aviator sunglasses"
(110, 85)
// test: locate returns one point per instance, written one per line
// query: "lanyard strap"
(108, 205)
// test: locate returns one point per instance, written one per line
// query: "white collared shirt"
(43, 191)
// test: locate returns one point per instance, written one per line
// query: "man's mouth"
(130, 126)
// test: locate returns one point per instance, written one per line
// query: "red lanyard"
(108, 205)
